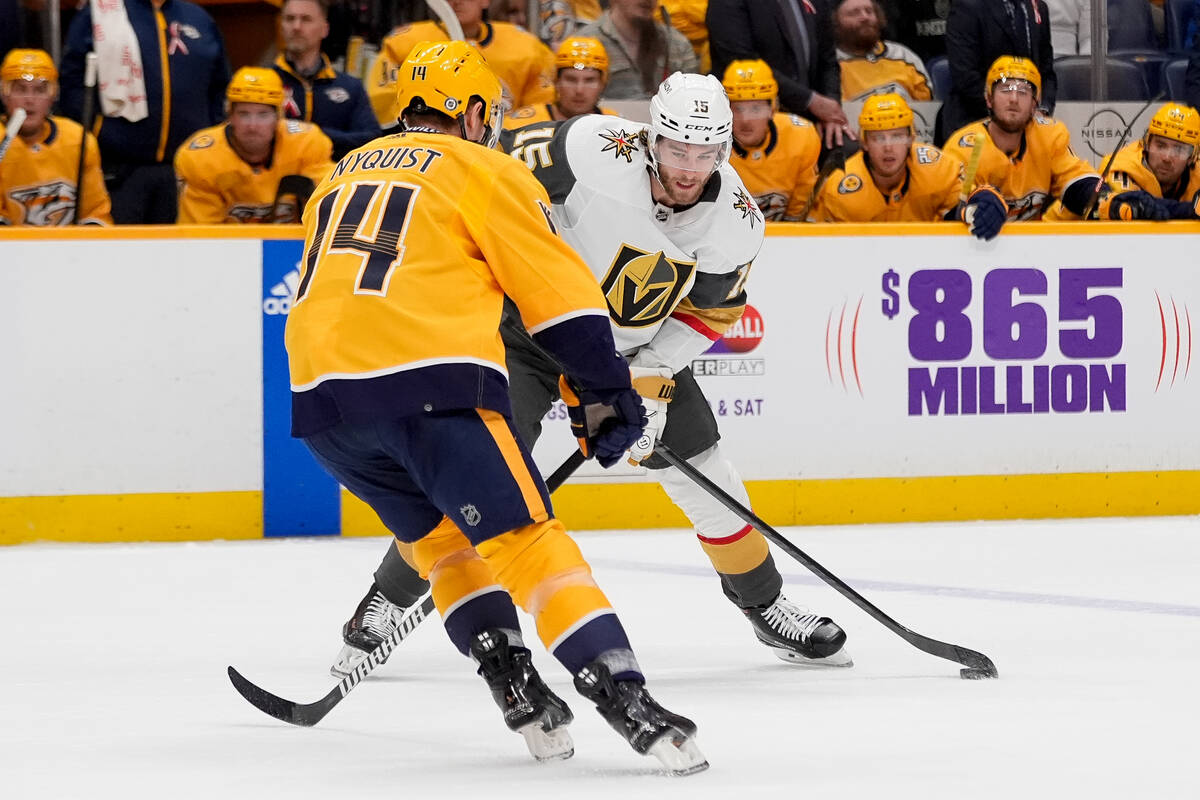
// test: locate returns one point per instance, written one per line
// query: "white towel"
(119, 62)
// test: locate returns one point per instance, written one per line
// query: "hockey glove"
(656, 386)
(606, 426)
(1133, 205)
(985, 213)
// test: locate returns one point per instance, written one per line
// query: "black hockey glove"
(1134, 205)
(985, 213)
(606, 423)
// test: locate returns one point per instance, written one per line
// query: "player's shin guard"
(464, 590)
(748, 573)
(544, 571)
(738, 553)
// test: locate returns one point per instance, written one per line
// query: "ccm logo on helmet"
(698, 127)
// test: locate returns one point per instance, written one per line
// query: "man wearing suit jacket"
(795, 38)
(977, 33)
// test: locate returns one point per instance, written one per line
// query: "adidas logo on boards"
(280, 301)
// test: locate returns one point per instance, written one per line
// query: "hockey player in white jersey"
(670, 232)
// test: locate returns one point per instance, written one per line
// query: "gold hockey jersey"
(37, 181)
(928, 193)
(217, 186)
(412, 244)
(523, 64)
(1130, 173)
(542, 112)
(1039, 172)
(890, 67)
(781, 172)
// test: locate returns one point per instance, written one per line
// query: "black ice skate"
(648, 727)
(799, 636)
(528, 705)
(374, 620)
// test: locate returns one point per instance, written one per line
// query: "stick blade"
(278, 707)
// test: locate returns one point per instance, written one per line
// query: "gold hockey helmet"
(1176, 121)
(255, 85)
(446, 77)
(750, 79)
(28, 65)
(1014, 68)
(582, 52)
(885, 112)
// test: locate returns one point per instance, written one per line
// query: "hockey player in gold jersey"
(523, 64)
(775, 154)
(1028, 157)
(1162, 163)
(670, 232)
(582, 72)
(399, 389)
(255, 166)
(895, 179)
(39, 173)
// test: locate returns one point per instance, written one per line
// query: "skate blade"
(840, 659)
(347, 660)
(679, 754)
(552, 745)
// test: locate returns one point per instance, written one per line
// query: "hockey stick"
(835, 160)
(968, 182)
(443, 12)
(308, 714)
(300, 188)
(977, 664)
(15, 121)
(1095, 198)
(89, 94)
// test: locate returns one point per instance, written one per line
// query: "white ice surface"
(112, 679)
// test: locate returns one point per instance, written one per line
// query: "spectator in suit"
(977, 33)
(919, 25)
(795, 38)
(142, 128)
(313, 90)
(10, 26)
(1191, 80)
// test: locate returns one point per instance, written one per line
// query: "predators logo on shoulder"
(850, 184)
(201, 142)
(966, 140)
(928, 155)
(622, 143)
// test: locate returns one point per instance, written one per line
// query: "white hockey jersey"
(672, 277)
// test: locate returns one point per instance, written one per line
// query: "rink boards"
(882, 373)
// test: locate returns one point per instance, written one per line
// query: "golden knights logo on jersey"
(47, 204)
(622, 143)
(742, 202)
(642, 288)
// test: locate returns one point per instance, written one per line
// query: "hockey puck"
(975, 674)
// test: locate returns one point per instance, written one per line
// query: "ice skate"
(375, 619)
(529, 707)
(648, 727)
(798, 636)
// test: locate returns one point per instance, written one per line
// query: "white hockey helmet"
(692, 109)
